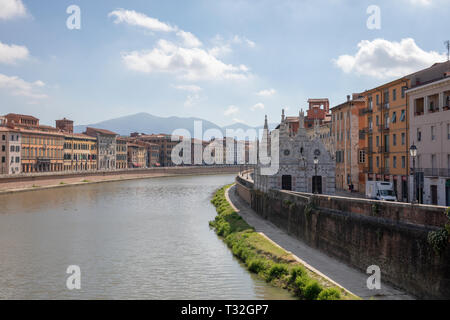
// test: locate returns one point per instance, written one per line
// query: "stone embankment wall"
(191, 170)
(362, 233)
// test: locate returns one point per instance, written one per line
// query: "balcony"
(435, 172)
(383, 127)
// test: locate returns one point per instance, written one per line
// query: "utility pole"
(447, 45)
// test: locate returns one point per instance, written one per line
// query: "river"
(139, 239)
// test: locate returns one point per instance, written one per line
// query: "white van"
(380, 190)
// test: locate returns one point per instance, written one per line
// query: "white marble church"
(305, 165)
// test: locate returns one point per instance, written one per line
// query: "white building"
(10, 150)
(429, 115)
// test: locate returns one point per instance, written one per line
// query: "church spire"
(266, 126)
(282, 115)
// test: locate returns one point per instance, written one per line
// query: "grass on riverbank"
(268, 260)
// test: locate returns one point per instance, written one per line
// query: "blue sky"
(224, 61)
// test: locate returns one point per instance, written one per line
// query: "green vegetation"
(439, 239)
(266, 259)
(62, 183)
(85, 181)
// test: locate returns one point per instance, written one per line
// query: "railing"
(435, 172)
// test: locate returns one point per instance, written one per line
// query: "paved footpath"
(352, 279)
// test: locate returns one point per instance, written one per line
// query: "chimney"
(348, 98)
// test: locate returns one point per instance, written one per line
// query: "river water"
(140, 239)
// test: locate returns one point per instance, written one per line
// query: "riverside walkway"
(352, 279)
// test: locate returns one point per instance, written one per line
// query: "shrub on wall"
(439, 239)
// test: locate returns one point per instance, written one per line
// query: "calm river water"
(141, 239)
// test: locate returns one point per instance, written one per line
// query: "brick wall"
(365, 232)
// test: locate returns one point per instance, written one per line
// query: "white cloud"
(420, 2)
(189, 40)
(19, 87)
(192, 99)
(188, 87)
(236, 120)
(10, 9)
(257, 106)
(231, 110)
(134, 18)
(10, 54)
(239, 40)
(139, 19)
(385, 59)
(266, 93)
(188, 63)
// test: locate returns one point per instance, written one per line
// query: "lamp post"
(413, 153)
(316, 162)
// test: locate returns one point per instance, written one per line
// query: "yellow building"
(121, 153)
(80, 152)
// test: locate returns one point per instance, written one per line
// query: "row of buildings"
(26, 146)
(371, 133)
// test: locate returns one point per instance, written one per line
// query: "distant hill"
(149, 124)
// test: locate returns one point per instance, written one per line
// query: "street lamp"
(413, 153)
(316, 162)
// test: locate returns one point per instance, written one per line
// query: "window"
(378, 141)
(3, 159)
(433, 133)
(3, 137)
(3, 148)
(394, 139)
(377, 121)
(394, 117)
(403, 162)
(394, 94)
(378, 162)
(394, 162)
(17, 160)
(362, 156)
(403, 91)
(448, 131)
(403, 116)
(386, 163)
(419, 135)
(403, 138)
(378, 99)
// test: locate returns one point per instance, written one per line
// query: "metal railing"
(435, 172)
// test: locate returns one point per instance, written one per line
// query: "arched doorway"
(286, 182)
(317, 184)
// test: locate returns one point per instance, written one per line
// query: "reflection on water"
(142, 239)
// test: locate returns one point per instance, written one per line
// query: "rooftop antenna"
(447, 45)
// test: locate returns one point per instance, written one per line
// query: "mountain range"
(150, 124)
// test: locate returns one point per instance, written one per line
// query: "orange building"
(386, 146)
(345, 131)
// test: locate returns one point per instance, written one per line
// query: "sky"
(225, 61)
